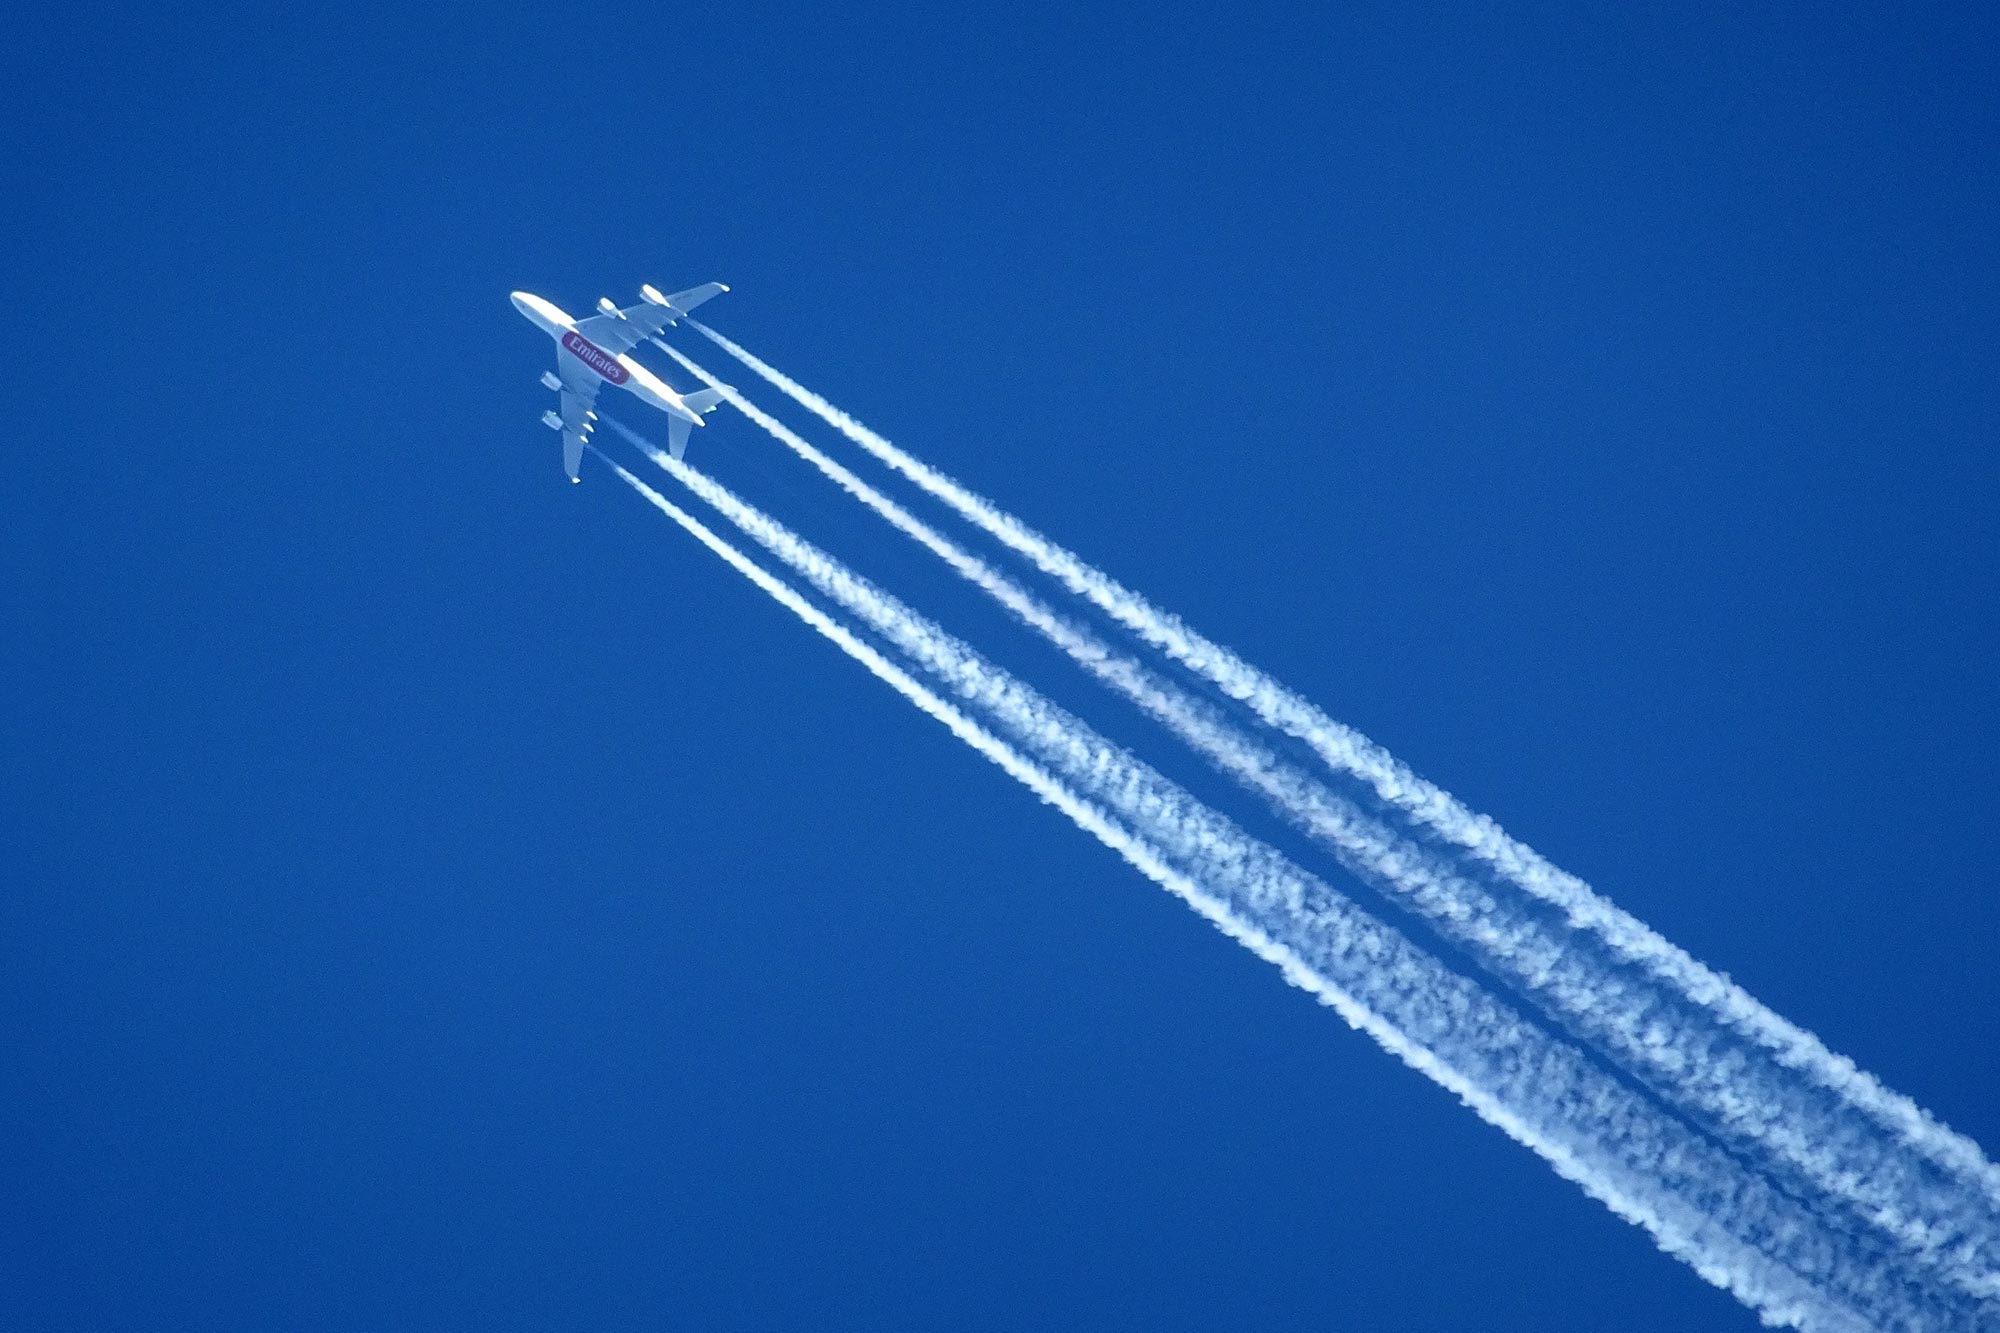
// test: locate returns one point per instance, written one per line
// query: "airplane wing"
(578, 420)
(619, 331)
(694, 296)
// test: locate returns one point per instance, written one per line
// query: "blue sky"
(444, 897)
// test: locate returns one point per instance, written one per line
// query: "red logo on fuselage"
(599, 360)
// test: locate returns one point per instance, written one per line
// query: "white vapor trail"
(1782, 1047)
(1703, 1070)
(1730, 1224)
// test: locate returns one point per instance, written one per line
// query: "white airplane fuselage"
(619, 371)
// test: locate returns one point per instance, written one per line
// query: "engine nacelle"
(653, 297)
(550, 380)
(604, 304)
(552, 421)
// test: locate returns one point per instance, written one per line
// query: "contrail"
(1703, 1070)
(1731, 1225)
(1348, 751)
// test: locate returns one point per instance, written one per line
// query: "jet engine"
(653, 297)
(604, 304)
(550, 380)
(552, 421)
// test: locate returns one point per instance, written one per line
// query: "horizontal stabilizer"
(702, 400)
(677, 435)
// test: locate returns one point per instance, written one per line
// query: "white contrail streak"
(1727, 1223)
(1348, 751)
(1700, 1068)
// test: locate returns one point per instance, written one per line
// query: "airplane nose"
(540, 313)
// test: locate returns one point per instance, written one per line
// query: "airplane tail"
(700, 402)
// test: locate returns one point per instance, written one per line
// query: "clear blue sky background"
(441, 897)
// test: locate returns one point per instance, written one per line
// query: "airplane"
(591, 353)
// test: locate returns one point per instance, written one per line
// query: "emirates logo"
(595, 357)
